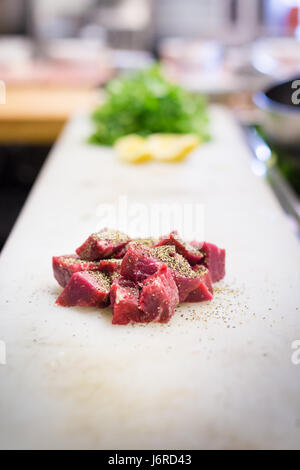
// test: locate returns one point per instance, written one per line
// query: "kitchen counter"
(219, 375)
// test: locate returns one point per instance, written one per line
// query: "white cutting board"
(219, 375)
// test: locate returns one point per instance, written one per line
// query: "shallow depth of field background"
(55, 57)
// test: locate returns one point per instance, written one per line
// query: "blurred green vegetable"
(146, 103)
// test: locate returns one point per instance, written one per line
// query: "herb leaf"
(146, 103)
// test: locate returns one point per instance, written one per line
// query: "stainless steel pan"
(280, 108)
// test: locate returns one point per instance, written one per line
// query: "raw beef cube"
(66, 265)
(185, 277)
(86, 289)
(136, 241)
(110, 266)
(191, 253)
(114, 276)
(141, 262)
(121, 252)
(102, 244)
(204, 291)
(159, 296)
(214, 260)
(204, 273)
(124, 299)
(138, 263)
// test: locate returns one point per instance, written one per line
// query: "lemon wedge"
(171, 147)
(132, 149)
(161, 147)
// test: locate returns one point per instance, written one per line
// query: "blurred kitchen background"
(56, 55)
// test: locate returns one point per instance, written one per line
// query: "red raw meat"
(141, 262)
(159, 296)
(144, 279)
(214, 261)
(205, 290)
(138, 263)
(121, 252)
(66, 265)
(191, 253)
(110, 266)
(185, 277)
(102, 244)
(86, 289)
(124, 299)
(149, 242)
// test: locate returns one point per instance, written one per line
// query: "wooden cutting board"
(219, 375)
(37, 114)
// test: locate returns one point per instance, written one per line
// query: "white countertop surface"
(219, 375)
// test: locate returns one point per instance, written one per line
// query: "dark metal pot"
(280, 106)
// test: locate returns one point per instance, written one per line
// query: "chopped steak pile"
(143, 280)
